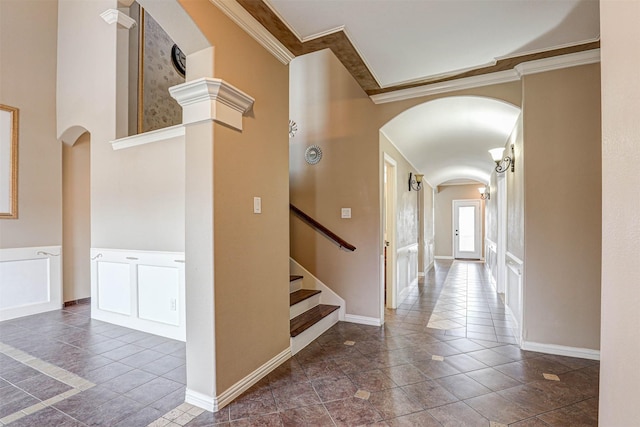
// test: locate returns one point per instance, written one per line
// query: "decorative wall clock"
(313, 154)
(179, 60)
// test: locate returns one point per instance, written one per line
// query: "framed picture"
(8, 162)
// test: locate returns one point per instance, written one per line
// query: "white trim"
(530, 67)
(211, 99)
(213, 404)
(442, 257)
(421, 273)
(412, 282)
(327, 295)
(320, 34)
(559, 62)
(251, 26)
(543, 50)
(16, 260)
(448, 86)
(224, 398)
(172, 132)
(362, 320)
(514, 258)
(309, 335)
(561, 350)
(112, 16)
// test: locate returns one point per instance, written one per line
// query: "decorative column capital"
(112, 16)
(212, 99)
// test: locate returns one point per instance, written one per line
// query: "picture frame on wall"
(8, 162)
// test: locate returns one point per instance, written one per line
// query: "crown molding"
(530, 67)
(165, 134)
(251, 26)
(211, 99)
(113, 16)
(559, 62)
(448, 86)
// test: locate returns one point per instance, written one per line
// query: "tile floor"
(444, 358)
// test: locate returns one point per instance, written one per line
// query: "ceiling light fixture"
(415, 183)
(485, 193)
(502, 163)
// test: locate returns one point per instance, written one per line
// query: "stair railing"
(322, 229)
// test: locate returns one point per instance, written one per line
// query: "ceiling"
(390, 45)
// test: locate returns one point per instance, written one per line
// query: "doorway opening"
(467, 229)
(389, 186)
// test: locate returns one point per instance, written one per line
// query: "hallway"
(404, 374)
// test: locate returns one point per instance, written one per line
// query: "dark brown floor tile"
(43, 387)
(352, 412)
(490, 357)
(429, 394)
(422, 419)
(462, 386)
(295, 396)
(121, 352)
(251, 408)
(389, 358)
(329, 389)
(372, 381)
(322, 369)
(314, 415)
(404, 374)
(170, 401)
(436, 369)
(287, 373)
(44, 417)
(18, 373)
(112, 412)
(84, 403)
(169, 346)
(19, 401)
(128, 381)
(141, 417)
(531, 398)
(493, 379)
(498, 409)
(178, 375)
(139, 360)
(153, 390)
(269, 420)
(531, 422)
(465, 345)
(207, 419)
(163, 365)
(578, 415)
(106, 372)
(464, 363)
(458, 414)
(393, 403)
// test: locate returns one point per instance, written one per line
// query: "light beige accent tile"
(437, 358)
(551, 377)
(11, 418)
(349, 343)
(160, 422)
(363, 394)
(195, 411)
(33, 408)
(173, 414)
(185, 407)
(496, 424)
(184, 419)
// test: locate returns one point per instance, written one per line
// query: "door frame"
(478, 226)
(501, 244)
(388, 209)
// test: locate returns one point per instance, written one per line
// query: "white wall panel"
(158, 294)
(114, 287)
(30, 281)
(406, 271)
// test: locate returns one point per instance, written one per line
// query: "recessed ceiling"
(405, 41)
(449, 138)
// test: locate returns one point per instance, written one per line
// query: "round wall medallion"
(313, 154)
(179, 60)
(293, 128)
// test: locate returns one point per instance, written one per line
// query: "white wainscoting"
(491, 260)
(30, 281)
(514, 292)
(141, 290)
(406, 271)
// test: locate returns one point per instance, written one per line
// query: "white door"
(467, 231)
(389, 232)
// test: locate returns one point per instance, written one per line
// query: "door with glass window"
(467, 229)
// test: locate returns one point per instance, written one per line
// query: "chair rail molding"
(212, 99)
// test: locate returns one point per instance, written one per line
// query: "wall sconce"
(415, 183)
(502, 163)
(485, 194)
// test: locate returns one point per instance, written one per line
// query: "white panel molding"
(362, 320)
(515, 285)
(173, 325)
(327, 295)
(170, 133)
(224, 398)
(530, 67)
(515, 259)
(211, 99)
(561, 350)
(406, 271)
(251, 26)
(559, 62)
(113, 16)
(42, 292)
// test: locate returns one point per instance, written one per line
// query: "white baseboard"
(443, 257)
(362, 320)
(214, 404)
(421, 273)
(561, 350)
(429, 267)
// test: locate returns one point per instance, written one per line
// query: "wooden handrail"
(322, 229)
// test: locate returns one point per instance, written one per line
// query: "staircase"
(308, 318)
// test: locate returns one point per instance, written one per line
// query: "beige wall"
(28, 82)
(562, 203)
(333, 112)
(619, 373)
(76, 219)
(251, 251)
(445, 195)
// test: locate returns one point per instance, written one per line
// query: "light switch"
(346, 213)
(257, 205)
